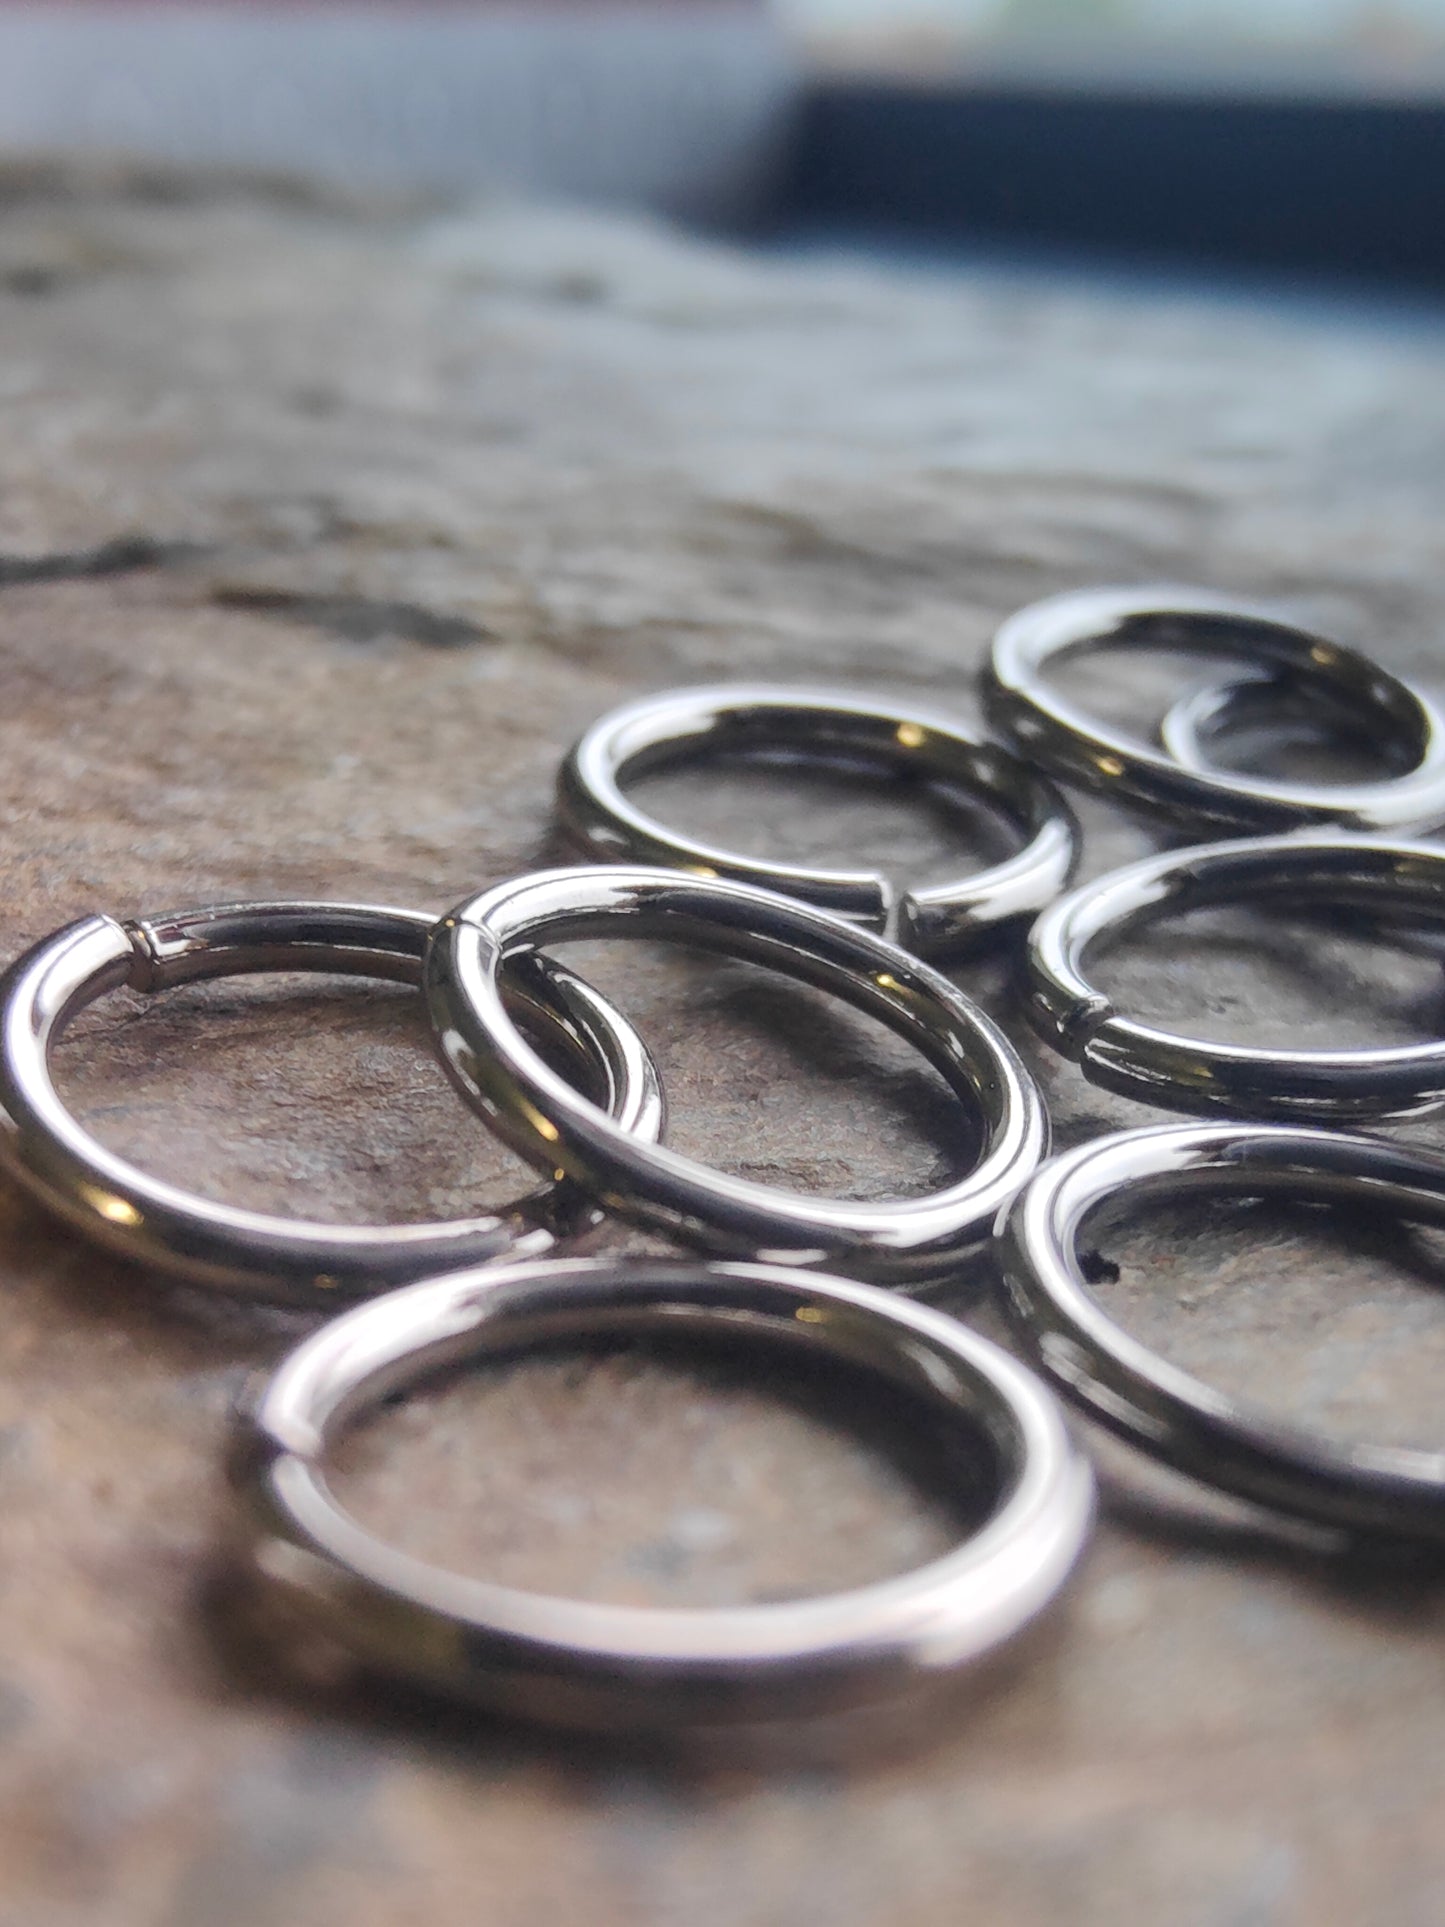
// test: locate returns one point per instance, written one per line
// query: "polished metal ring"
(590, 1664)
(1201, 716)
(1163, 1410)
(1071, 743)
(1394, 881)
(251, 1252)
(661, 731)
(916, 1240)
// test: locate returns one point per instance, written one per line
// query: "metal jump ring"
(915, 1240)
(44, 1146)
(1071, 743)
(1201, 715)
(661, 731)
(1163, 1410)
(595, 1665)
(1395, 881)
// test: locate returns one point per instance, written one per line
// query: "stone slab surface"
(323, 530)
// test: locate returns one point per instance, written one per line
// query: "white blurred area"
(680, 107)
(1367, 42)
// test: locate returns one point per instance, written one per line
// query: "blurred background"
(1172, 39)
(1294, 133)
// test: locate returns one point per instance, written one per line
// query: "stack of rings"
(1071, 744)
(560, 1074)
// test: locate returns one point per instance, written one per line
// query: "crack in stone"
(1097, 1269)
(123, 555)
(361, 619)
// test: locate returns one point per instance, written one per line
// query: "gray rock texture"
(324, 528)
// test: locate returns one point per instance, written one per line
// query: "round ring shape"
(251, 1252)
(604, 1666)
(1070, 743)
(683, 724)
(914, 1241)
(1393, 881)
(1163, 1410)
(1201, 716)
